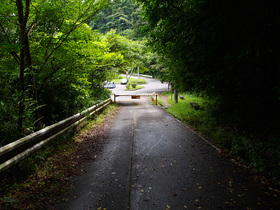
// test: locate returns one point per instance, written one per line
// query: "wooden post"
(156, 99)
(171, 90)
(114, 98)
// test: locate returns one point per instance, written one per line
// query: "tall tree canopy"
(124, 16)
(52, 64)
(32, 32)
(225, 48)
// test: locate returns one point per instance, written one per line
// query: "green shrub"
(137, 81)
(260, 153)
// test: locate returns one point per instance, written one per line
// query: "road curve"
(152, 161)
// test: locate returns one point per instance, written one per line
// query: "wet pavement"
(153, 161)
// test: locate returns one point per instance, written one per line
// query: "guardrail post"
(156, 99)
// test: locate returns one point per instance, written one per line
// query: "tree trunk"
(22, 90)
(176, 95)
(24, 53)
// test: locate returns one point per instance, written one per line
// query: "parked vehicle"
(110, 85)
(124, 81)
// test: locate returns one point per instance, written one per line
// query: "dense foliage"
(52, 63)
(124, 16)
(228, 49)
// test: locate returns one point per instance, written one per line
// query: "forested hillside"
(124, 16)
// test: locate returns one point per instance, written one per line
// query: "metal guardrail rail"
(153, 96)
(16, 151)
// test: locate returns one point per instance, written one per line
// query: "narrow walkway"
(164, 100)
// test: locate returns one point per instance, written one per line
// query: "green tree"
(123, 16)
(227, 49)
(129, 49)
(75, 74)
(53, 64)
(31, 33)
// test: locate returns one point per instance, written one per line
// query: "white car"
(124, 81)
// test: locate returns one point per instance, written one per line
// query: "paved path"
(164, 100)
(152, 161)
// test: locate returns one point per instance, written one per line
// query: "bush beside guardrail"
(18, 150)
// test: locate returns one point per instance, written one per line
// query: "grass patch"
(137, 81)
(130, 87)
(261, 154)
(134, 84)
(118, 80)
(131, 80)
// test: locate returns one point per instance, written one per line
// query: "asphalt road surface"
(153, 161)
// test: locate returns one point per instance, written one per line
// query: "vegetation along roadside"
(255, 152)
(53, 168)
(133, 84)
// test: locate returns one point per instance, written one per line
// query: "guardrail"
(138, 96)
(16, 151)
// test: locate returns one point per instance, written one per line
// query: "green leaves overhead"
(54, 60)
(216, 46)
